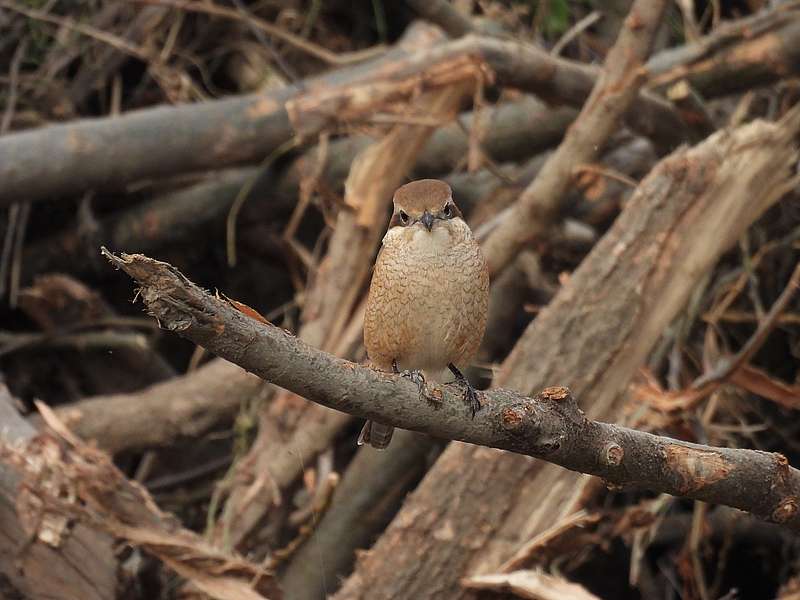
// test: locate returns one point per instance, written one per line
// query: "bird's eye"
(403, 217)
(448, 210)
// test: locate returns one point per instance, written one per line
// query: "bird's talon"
(470, 395)
(471, 398)
(416, 376)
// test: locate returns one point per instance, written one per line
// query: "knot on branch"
(786, 510)
(513, 418)
(534, 423)
(563, 401)
(612, 454)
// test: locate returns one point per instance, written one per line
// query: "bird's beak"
(427, 220)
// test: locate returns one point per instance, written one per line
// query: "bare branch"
(549, 426)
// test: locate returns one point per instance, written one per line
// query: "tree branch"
(548, 426)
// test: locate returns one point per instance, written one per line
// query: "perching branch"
(548, 426)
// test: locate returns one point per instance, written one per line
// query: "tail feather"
(376, 435)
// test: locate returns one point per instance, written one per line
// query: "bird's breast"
(427, 301)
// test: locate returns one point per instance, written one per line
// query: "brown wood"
(110, 152)
(166, 413)
(83, 566)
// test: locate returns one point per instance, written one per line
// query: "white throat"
(420, 240)
(430, 242)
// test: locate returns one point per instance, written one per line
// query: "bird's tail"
(376, 435)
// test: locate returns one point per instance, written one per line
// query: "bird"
(428, 298)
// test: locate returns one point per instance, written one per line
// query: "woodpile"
(631, 172)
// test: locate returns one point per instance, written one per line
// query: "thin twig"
(112, 40)
(8, 257)
(606, 172)
(250, 19)
(244, 193)
(294, 40)
(730, 365)
(8, 246)
(574, 31)
(103, 340)
(16, 254)
(13, 85)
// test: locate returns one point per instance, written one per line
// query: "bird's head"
(423, 203)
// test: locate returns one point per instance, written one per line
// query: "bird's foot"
(470, 395)
(416, 376)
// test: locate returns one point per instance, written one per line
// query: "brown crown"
(425, 194)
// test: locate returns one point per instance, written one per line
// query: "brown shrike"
(429, 296)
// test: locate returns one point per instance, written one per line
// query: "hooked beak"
(427, 220)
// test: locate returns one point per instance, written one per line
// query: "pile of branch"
(634, 193)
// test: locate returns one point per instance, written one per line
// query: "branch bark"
(549, 426)
(738, 55)
(61, 160)
(65, 479)
(163, 414)
(101, 153)
(514, 130)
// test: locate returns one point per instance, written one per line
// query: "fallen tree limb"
(71, 158)
(549, 426)
(65, 478)
(163, 414)
(515, 130)
(737, 55)
(60, 160)
(82, 566)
